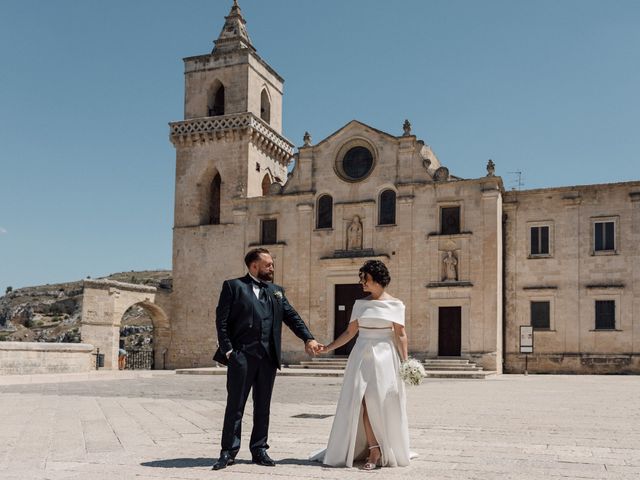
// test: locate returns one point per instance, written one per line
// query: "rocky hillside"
(51, 313)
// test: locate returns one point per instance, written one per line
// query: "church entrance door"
(345, 297)
(449, 331)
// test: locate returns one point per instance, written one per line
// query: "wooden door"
(449, 331)
(345, 297)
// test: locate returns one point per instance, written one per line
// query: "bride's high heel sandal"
(369, 465)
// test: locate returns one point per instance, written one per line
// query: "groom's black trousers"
(246, 372)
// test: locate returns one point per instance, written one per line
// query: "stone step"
(311, 366)
(460, 368)
(286, 371)
(438, 361)
(317, 372)
(327, 361)
(459, 374)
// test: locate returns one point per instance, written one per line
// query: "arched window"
(266, 183)
(265, 106)
(214, 201)
(216, 102)
(324, 218)
(387, 208)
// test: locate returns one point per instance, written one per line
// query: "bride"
(371, 416)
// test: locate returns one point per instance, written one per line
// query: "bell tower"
(230, 143)
(229, 152)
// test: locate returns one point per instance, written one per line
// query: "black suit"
(252, 328)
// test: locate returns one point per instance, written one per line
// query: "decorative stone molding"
(572, 199)
(213, 129)
(441, 174)
(113, 285)
(491, 168)
(448, 284)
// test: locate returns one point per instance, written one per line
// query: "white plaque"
(526, 339)
(341, 308)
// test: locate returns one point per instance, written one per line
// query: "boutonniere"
(278, 294)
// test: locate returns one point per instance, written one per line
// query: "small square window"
(605, 314)
(269, 231)
(540, 240)
(540, 315)
(449, 220)
(604, 236)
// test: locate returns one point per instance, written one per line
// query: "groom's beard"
(265, 276)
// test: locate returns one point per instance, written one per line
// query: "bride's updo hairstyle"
(377, 270)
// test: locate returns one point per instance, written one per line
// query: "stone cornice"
(107, 284)
(230, 127)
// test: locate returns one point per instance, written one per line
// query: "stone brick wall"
(26, 358)
(572, 277)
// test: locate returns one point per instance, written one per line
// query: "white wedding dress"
(372, 373)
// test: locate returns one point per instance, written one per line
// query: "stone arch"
(324, 211)
(216, 99)
(104, 302)
(215, 193)
(265, 105)
(387, 207)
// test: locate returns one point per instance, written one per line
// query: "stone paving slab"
(163, 426)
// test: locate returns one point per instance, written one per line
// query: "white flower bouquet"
(412, 372)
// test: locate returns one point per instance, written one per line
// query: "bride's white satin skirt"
(371, 373)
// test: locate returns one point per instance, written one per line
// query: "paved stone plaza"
(158, 425)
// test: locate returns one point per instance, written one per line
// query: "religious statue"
(354, 234)
(450, 267)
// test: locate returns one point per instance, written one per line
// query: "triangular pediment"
(354, 126)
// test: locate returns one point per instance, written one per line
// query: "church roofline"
(574, 188)
(358, 122)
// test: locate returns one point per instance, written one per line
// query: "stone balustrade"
(208, 129)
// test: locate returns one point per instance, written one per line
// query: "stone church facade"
(471, 261)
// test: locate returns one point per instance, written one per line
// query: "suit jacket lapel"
(272, 299)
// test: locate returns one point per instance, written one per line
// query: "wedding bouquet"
(412, 372)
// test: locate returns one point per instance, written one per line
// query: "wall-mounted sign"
(526, 339)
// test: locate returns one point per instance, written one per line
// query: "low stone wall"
(578, 363)
(26, 358)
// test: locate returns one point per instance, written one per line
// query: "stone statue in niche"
(450, 267)
(354, 234)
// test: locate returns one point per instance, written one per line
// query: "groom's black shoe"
(225, 460)
(261, 458)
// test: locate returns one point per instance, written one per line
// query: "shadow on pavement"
(297, 461)
(180, 463)
(208, 462)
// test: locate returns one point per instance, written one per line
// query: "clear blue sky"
(87, 88)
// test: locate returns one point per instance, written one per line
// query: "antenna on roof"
(517, 184)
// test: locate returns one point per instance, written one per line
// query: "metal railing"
(139, 360)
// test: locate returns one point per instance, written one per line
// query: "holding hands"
(312, 347)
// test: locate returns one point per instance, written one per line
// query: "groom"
(249, 320)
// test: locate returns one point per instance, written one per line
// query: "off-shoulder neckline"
(379, 300)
